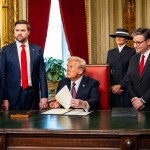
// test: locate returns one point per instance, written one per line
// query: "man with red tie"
(138, 76)
(23, 72)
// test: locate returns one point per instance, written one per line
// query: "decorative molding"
(103, 21)
(9, 14)
(23, 9)
(129, 17)
(88, 28)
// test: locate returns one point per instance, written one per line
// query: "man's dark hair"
(142, 31)
(23, 22)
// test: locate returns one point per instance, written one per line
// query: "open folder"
(64, 98)
(68, 112)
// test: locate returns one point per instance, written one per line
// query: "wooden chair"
(101, 73)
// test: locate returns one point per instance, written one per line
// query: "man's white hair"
(82, 62)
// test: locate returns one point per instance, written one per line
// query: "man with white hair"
(86, 94)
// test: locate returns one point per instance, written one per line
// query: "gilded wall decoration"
(8, 16)
(129, 16)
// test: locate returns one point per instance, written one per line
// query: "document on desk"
(68, 112)
(57, 111)
(64, 97)
(78, 112)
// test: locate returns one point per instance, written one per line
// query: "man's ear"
(148, 42)
(80, 71)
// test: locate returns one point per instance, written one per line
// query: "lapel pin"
(83, 85)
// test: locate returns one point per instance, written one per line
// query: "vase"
(52, 86)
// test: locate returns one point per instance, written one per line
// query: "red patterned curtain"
(74, 23)
(38, 17)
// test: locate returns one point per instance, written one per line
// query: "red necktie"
(73, 90)
(24, 73)
(141, 65)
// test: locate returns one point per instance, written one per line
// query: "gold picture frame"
(8, 16)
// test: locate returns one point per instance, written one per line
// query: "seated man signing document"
(84, 90)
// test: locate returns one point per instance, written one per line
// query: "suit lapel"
(82, 86)
(136, 68)
(116, 53)
(14, 47)
(124, 51)
(69, 84)
(32, 51)
(146, 65)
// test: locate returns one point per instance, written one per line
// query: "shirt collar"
(77, 82)
(146, 54)
(121, 47)
(19, 44)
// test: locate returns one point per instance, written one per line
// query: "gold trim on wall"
(88, 32)
(8, 16)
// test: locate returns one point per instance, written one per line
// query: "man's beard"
(21, 40)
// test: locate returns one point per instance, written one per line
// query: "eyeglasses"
(138, 42)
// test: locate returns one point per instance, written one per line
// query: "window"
(56, 45)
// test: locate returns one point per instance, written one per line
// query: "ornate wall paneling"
(104, 16)
(8, 15)
(129, 16)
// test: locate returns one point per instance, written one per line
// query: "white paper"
(64, 97)
(57, 111)
(78, 112)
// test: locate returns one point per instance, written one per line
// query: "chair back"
(101, 73)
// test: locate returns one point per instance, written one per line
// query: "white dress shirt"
(77, 82)
(19, 48)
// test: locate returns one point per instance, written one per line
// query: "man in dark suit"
(118, 60)
(138, 77)
(0, 83)
(87, 95)
(22, 89)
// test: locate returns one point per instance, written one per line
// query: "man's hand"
(5, 105)
(54, 104)
(78, 103)
(137, 103)
(43, 103)
(116, 89)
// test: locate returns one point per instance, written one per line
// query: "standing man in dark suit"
(87, 94)
(118, 60)
(0, 83)
(22, 89)
(138, 77)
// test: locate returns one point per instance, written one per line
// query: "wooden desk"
(95, 131)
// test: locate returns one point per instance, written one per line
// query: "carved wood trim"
(8, 16)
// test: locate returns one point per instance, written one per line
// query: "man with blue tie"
(138, 76)
(84, 89)
(23, 72)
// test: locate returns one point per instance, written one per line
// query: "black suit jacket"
(139, 86)
(0, 84)
(119, 63)
(11, 76)
(87, 91)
